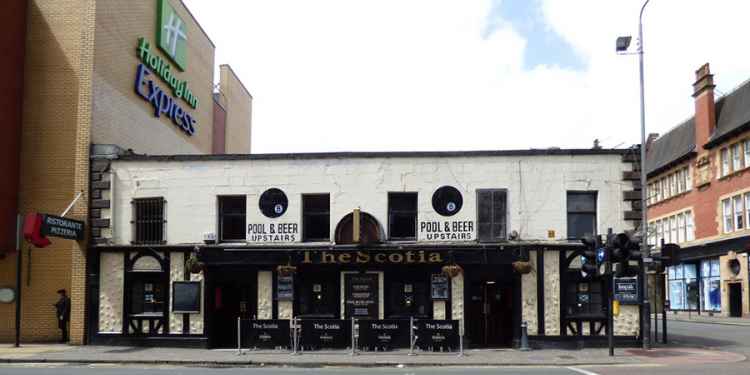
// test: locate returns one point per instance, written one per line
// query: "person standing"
(63, 314)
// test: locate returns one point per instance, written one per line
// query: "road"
(712, 339)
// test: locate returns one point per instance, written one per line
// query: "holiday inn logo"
(171, 34)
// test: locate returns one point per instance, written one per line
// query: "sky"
(402, 75)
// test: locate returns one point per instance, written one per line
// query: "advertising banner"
(266, 333)
(325, 333)
(375, 335)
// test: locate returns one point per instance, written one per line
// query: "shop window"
(581, 214)
(147, 296)
(402, 216)
(316, 217)
(148, 220)
(232, 217)
(491, 215)
(683, 287)
(710, 285)
(584, 298)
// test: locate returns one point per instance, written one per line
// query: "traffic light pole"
(610, 302)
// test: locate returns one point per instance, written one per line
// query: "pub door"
(231, 297)
(735, 300)
(489, 320)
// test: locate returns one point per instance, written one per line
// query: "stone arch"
(371, 230)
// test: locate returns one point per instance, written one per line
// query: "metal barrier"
(368, 335)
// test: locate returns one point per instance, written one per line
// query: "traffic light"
(589, 259)
(624, 249)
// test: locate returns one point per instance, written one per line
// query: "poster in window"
(440, 289)
(285, 288)
(186, 297)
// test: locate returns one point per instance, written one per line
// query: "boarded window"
(402, 216)
(492, 215)
(232, 217)
(148, 220)
(581, 214)
(316, 217)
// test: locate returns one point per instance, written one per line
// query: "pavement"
(704, 318)
(230, 358)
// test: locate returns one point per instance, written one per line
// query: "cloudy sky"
(368, 75)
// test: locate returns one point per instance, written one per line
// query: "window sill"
(733, 173)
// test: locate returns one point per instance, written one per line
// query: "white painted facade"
(536, 190)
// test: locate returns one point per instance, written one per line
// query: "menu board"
(361, 295)
(285, 288)
(440, 286)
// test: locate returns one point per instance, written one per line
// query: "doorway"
(735, 300)
(489, 321)
(230, 296)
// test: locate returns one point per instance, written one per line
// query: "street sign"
(648, 260)
(626, 290)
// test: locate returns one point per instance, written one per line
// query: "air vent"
(273, 203)
(447, 201)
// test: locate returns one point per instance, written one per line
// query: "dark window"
(581, 214)
(148, 214)
(584, 298)
(273, 203)
(447, 201)
(408, 296)
(316, 217)
(232, 217)
(491, 215)
(147, 295)
(402, 216)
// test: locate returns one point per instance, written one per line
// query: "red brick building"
(699, 197)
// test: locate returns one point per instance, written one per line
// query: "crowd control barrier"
(367, 335)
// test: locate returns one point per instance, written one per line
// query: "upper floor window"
(402, 216)
(491, 215)
(673, 184)
(232, 217)
(676, 228)
(746, 146)
(737, 157)
(581, 214)
(724, 161)
(316, 217)
(148, 221)
(735, 212)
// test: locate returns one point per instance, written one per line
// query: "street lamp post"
(622, 45)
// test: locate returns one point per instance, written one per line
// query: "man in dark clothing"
(63, 314)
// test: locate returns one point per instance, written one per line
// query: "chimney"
(705, 108)
(650, 140)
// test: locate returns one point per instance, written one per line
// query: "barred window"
(149, 221)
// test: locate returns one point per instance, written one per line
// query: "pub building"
(466, 243)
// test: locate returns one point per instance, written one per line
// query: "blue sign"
(601, 255)
(162, 102)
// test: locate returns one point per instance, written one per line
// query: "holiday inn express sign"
(171, 34)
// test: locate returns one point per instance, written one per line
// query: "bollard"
(524, 338)
(239, 337)
(295, 338)
(412, 337)
(461, 345)
(354, 343)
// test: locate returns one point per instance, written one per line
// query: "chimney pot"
(703, 80)
(705, 108)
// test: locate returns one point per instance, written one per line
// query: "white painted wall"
(536, 187)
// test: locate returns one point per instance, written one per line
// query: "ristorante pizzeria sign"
(364, 257)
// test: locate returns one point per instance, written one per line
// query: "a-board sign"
(626, 290)
(375, 334)
(186, 297)
(437, 335)
(56, 226)
(325, 333)
(440, 286)
(361, 295)
(266, 333)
